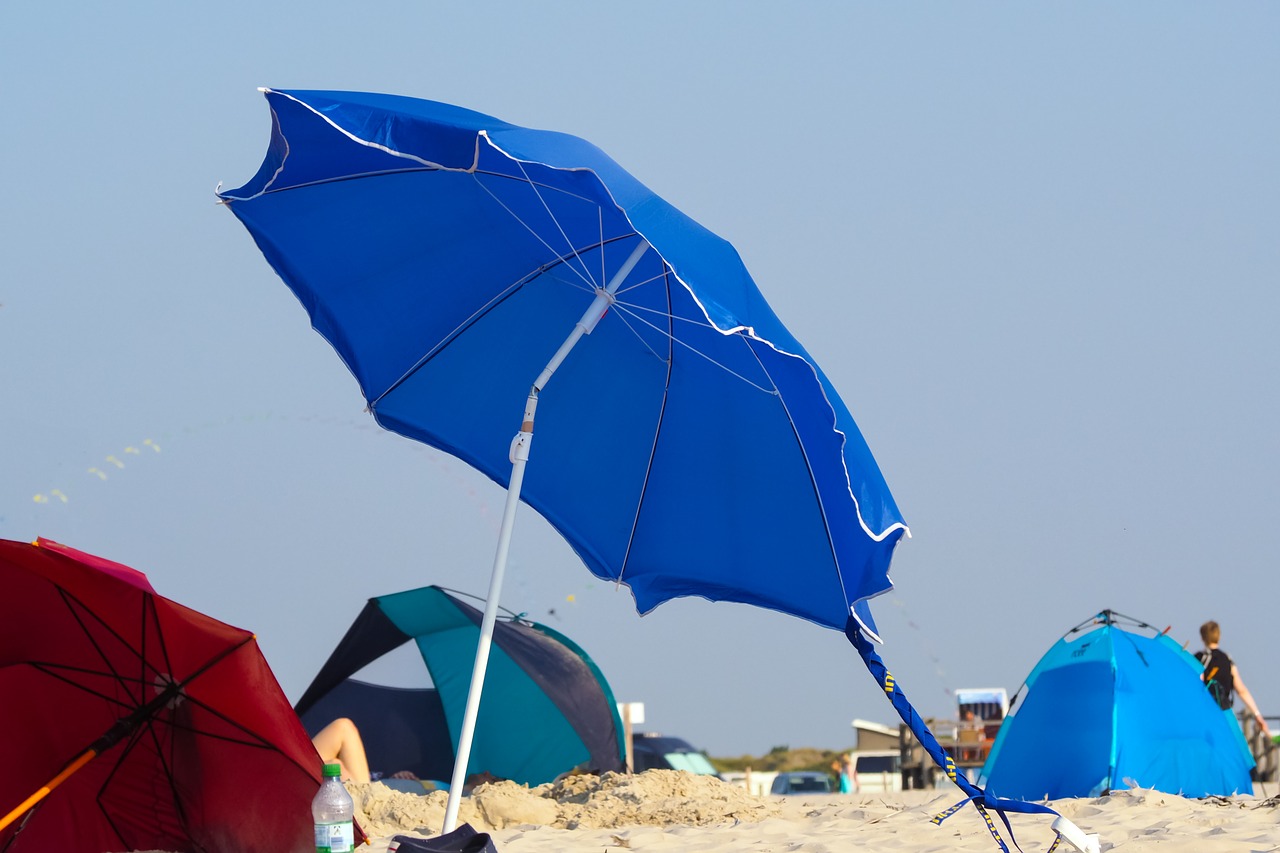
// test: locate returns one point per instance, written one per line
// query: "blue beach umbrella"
(689, 445)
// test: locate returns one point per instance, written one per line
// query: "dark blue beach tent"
(1109, 708)
(546, 708)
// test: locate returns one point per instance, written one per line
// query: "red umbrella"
(133, 722)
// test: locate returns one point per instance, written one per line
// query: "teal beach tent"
(1110, 708)
(547, 708)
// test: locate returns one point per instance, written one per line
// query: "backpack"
(1217, 676)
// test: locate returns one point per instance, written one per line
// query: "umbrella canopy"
(136, 723)
(689, 447)
(1106, 707)
(546, 709)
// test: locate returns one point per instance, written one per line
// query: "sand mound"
(655, 797)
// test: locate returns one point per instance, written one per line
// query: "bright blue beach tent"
(1108, 708)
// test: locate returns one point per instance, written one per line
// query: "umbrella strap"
(981, 800)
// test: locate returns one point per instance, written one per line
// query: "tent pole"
(519, 458)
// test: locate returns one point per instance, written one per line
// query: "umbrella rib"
(622, 318)
(817, 494)
(670, 316)
(106, 782)
(163, 750)
(52, 670)
(319, 182)
(149, 609)
(650, 280)
(582, 273)
(657, 431)
(135, 734)
(634, 311)
(674, 339)
(604, 276)
(252, 738)
(68, 599)
(683, 319)
(479, 314)
(146, 730)
(225, 198)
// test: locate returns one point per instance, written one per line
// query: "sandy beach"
(671, 811)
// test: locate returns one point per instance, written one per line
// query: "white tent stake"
(519, 458)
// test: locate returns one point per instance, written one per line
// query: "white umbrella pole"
(519, 458)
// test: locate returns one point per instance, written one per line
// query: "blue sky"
(1033, 245)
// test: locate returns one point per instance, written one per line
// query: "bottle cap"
(332, 770)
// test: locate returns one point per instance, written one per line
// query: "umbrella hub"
(605, 297)
(170, 690)
(599, 307)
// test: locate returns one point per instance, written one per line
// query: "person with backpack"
(1222, 677)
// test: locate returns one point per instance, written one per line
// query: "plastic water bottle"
(333, 812)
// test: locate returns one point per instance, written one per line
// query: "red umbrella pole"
(122, 727)
(30, 802)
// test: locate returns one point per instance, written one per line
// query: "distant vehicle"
(801, 782)
(879, 771)
(650, 751)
